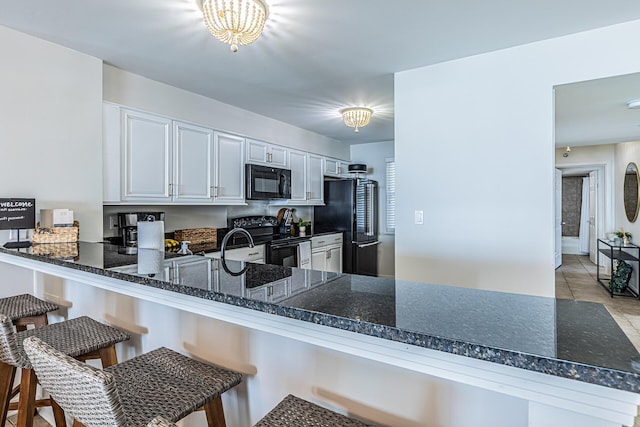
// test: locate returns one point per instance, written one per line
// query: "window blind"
(391, 195)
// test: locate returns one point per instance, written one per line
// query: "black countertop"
(572, 339)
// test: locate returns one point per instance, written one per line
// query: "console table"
(629, 253)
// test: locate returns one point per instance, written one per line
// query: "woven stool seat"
(160, 383)
(25, 305)
(295, 412)
(160, 422)
(74, 338)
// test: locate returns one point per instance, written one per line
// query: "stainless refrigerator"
(351, 206)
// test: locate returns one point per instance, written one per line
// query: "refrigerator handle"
(377, 242)
(370, 209)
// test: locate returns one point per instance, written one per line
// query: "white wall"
(374, 155)
(50, 133)
(135, 91)
(625, 153)
(474, 150)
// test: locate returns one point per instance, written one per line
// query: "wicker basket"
(65, 251)
(57, 234)
(197, 235)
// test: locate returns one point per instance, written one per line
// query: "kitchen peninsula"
(561, 358)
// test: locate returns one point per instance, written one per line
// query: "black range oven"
(284, 252)
(279, 249)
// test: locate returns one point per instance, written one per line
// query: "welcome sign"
(17, 213)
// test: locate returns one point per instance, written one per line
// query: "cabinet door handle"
(212, 191)
(328, 254)
(338, 239)
(253, 253)
(171, 190)
(321, 242)
(215, 191)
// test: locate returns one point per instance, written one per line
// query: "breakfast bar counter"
(530, 347)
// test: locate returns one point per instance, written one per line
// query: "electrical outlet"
(113, 222)
(419, 217)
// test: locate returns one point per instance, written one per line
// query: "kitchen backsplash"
(181, 217)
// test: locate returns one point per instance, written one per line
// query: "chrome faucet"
(229, 234)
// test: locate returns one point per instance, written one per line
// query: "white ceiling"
(315, 56)
(595, 112)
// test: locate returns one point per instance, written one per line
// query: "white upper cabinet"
(315, 179)
(111, 135)
(229, 169)
(298, 165)
(262, 153)
(307, 178)
(150, 159)
(193, 157)
(335, 167)
(146, 158)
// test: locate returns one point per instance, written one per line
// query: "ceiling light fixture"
(634, 103)
(356, 117)
(235, 21)
(566, 153)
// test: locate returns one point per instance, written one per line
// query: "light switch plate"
(419, 217)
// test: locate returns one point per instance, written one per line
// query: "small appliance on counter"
(128, 225)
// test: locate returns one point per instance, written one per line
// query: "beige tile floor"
(576, 279)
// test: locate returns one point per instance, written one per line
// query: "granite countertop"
(572, 339)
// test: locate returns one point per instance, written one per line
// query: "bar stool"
(158, 383)
(83, 338)
(295, 412)
(25, 310)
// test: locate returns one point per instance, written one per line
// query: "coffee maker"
(128, 225)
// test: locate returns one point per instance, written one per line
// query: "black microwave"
(267, 183)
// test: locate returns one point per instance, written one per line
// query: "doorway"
(577, 228)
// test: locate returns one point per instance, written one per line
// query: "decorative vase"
(626, 240)
(302, 231)
(617, 241)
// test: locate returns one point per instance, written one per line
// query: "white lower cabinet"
(326, 257)
(193, 273)
(272, 292)
(247, 254)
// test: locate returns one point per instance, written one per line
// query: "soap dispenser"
(184, 249)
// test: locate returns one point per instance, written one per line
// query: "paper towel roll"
(151, 235)
(150, 261)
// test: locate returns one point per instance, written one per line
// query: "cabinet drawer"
(326, 240)
(247, 254)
